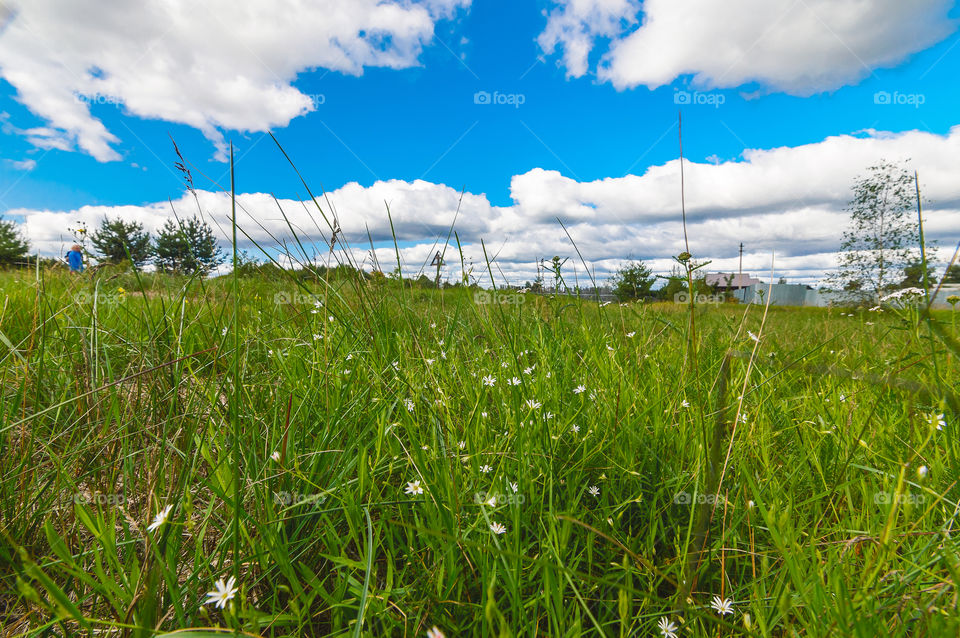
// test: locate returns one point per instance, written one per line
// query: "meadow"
(364, 458)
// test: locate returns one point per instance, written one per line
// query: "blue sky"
(397, 116)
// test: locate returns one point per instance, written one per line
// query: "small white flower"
(424, 447)
(941, 422)
(160, 518)
(433, 632)
(594, 490)
(579, 389)
(497, 528)
(275, 456)
(751, 505)
(529, 370)
(922, 471)
(317, 337)
(433, 325)
(223, 593)
(504, 364)
(439, 342)
(514, 487)
(485, 469)
(575, 429)
(514, 381)
(668, 629)
(630, 334)
(462, 444)
(491, 502)
(684, 404)
(753, 336)
(414, 488)
(331, 318)
(223, 332)
(489, 381)
(722, 607)
(483, 415)
(409, 405)
(533, 404)
(429, 361)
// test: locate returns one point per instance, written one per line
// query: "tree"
(187, 247)
(952, 275)
(13, 247)
(913, 275)
(116, 238)
(878, 243)
(632, 281)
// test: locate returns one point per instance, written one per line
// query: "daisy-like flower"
(668, 629)
(462, 444)
(409, 405)
(497, 528)
(489, 381)
(722, 607)
(414, 488)
(630, 334)
(485, 469)
(317, 337)
(433, 632)
(684, 404)
(223, 593)
(429, 361)
(594, 490)
(575, 429)
(160, 518)
(753, 336)
(483, 415)
(533, 404)
(514, 487)
(491, 502)
(275, 456)
(922, 471)
(579, 389)
(941, 422)
(529, 370)
(223, 332)
(504, 364)
(514, 381)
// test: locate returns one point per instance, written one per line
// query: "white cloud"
(786, 201)
(23, 165)
(798, 47)
(217, 64)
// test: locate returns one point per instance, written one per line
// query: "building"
(728, 282)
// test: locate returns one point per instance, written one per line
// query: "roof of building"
(739, 281)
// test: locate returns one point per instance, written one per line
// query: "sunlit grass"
(536, 507)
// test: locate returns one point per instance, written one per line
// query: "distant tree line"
(181, 246)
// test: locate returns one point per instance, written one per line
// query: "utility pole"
(741, 262)
(438, 262)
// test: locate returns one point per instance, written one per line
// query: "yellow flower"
(121, 291)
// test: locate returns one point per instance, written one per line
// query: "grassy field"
(370, 459)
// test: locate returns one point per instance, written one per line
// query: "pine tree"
(13, 247)
(187, 247)
(878, 244)
(116, 238)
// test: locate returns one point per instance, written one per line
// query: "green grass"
(112, 411)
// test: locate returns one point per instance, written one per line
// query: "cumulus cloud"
(799, 48)
(213, 65)
(786, 201)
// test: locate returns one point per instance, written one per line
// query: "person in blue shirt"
(75, 258)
